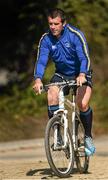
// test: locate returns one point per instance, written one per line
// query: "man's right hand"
(37, 87)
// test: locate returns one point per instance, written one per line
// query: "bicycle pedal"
(67, 153)
(52, 146)
(56, 147)
(81, 148)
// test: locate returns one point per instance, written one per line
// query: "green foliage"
(24, 102)
(92, 18)
(100, 101)
(100, 107)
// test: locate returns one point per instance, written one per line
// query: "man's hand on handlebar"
(81, 79)
(38, 85)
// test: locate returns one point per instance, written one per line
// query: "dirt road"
(26, 160)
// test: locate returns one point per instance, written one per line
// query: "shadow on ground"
(48, 172)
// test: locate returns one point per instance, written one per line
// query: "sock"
(51, 110)
(86, 118)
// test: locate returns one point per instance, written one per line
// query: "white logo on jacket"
(67, 45)
(54, 47)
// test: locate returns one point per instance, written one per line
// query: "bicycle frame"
(64, 117)
(71, 105)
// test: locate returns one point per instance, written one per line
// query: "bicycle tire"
(58, 165)
(82, 161)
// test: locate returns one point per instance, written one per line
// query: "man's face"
(55, 25)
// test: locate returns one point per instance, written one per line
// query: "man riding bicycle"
(67, 47)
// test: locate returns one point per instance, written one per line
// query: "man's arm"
(82, 53)
(42, 58)
(41, 63)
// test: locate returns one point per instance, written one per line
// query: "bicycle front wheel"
(82, 161)
(60, 160)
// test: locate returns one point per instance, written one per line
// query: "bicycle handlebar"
(69, 83)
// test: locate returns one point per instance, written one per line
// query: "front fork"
(64, 120)
(73, 125)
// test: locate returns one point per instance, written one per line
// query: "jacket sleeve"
(82, 52)
(42, 58)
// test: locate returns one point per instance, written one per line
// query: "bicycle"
(72, 147)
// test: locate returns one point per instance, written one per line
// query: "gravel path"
(26, 160)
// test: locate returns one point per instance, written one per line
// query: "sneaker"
(89, 146)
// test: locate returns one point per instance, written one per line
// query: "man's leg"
(52, 109)
(83, 97)
(86, 118)
(52, 100)
(53, 105)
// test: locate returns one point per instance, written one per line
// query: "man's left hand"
(81, 79)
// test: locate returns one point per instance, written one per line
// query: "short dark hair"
(53, 13)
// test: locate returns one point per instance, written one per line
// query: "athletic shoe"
(89, 146)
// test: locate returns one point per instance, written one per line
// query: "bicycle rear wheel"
(82, 161)
(60, 160)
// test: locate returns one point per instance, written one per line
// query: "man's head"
(56, 20)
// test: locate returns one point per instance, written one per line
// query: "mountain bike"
(71, 148)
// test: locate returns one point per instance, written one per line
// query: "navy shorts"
(58, 77)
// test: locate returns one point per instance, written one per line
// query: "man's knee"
(83, 106)
(53, 96)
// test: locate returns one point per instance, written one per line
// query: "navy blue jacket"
(69, 53)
